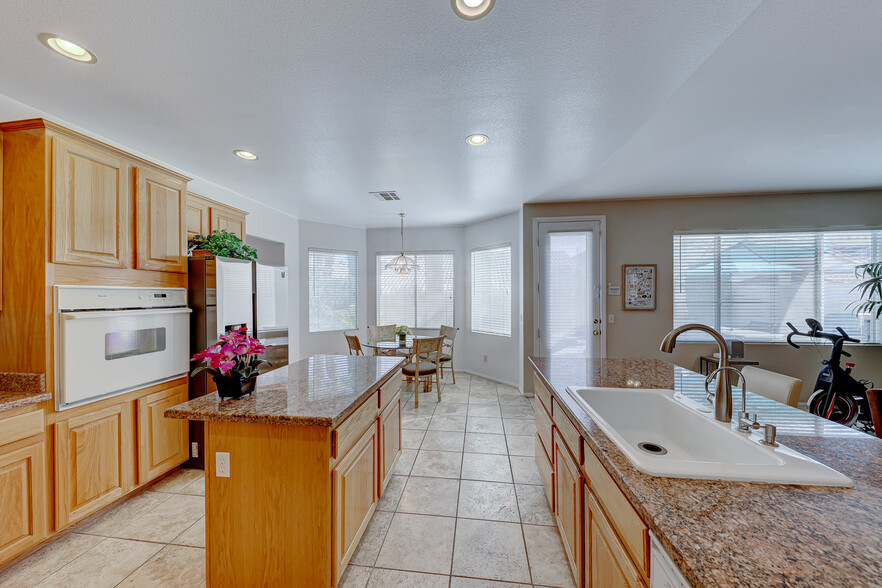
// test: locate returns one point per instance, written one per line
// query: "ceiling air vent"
(386, 196)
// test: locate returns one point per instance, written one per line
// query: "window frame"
(506, 245)
(309, 282)
(380, 267)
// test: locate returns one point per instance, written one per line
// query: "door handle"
(596, 332)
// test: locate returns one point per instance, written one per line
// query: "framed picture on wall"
(638, 283)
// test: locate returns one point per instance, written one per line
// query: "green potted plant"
(870, 290)
(402, 334)
(233, 363)
(222, 243)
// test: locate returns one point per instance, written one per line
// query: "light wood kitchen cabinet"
(355, 497)
(608, 564)
(94, 460)
(90, 203)
(162, 442)
(390, 437)
(568, 503)
(161, 212)
(205, 216)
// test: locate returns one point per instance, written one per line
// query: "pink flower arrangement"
(234, 356)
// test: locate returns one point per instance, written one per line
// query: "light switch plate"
(611, 319)
(221, 464)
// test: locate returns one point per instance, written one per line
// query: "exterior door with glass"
(569, 286)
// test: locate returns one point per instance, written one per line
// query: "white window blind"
(333, 290)
(421, 299)
(749, 285)
(491, 291)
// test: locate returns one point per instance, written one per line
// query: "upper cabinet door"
(90, 194)
(197, 216)
(161, 202)
(229, 220)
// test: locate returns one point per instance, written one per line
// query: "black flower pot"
(234, 387)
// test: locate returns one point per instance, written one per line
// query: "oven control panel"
(70, 298)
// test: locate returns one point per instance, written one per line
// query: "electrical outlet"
(485, 359)
(194, 449)
(611, 319)
(221, 464)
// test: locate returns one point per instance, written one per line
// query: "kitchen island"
(718, 533)
(294, 472)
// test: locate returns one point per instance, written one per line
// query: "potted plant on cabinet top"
(221, 243)
(233, 363)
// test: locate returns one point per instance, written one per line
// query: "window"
(749, 285)
(491, 291)
(422, 299)
(333, 290)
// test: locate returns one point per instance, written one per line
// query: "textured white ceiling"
(580, 98)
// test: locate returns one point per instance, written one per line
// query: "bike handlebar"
(836, 338)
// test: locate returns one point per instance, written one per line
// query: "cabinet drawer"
(542, 393)
(390, 389)
(21, 426)
(351, 429)
(567, 431)
(630, 528)
(543, 464)
(543, 426)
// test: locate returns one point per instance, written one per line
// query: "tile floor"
(465, 509)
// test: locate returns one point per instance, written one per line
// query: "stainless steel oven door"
(102, 353)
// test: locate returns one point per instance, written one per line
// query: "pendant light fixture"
(402, 265)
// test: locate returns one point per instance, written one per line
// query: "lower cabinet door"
(355, 491)
(608, 564)
(162, 442)
(23, 499)
(94, 461)
(390, 440)
(568, 504)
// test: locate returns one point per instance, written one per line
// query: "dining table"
(386, 344)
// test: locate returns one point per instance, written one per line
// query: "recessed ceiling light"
(245, 154)
(477, 139)
(67, 48)
(472, 9)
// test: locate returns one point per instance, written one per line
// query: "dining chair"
(874, 398)
(772, 385)
(354, 344)
(424, 369)
(377, 332)
(449, 334)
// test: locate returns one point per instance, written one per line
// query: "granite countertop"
(17, 390)
(320, 391)
(738, 534)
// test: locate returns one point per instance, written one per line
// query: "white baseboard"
(492, 379)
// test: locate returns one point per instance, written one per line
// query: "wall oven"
(110, 340)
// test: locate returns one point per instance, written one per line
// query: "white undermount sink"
(640, 421)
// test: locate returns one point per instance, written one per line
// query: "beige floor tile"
(492, 501)
(448, 407)
(174, 566)
(437, 464)
(411, 438)
(513, 400)
(443, 441)
(165, 521)
(519, 426)
(424, 409)
(124, 514)
(106, 564)
(524, 445)
(548, 562)
(177, 481)
(505, 389)
(355, 577)
(485, 443)
(448, 422)
(369, 547)
(405, 462)
(484, 410)
(490, 550)
(413, 421)
(392, 493)
(533, 505)
(524, 470)
(488, 468)
(196, 488)
(484, 425)
(381, 578)
(430, 496)
(456, 582)
(418, 543)
(194, 536)
(517, 411)
(48, 560)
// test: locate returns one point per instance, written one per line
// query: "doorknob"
(596, 321)
(596, 332)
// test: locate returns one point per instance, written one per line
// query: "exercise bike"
(837, 395)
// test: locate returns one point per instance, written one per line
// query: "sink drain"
(652, 448)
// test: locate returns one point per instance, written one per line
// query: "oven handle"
(87, 314)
